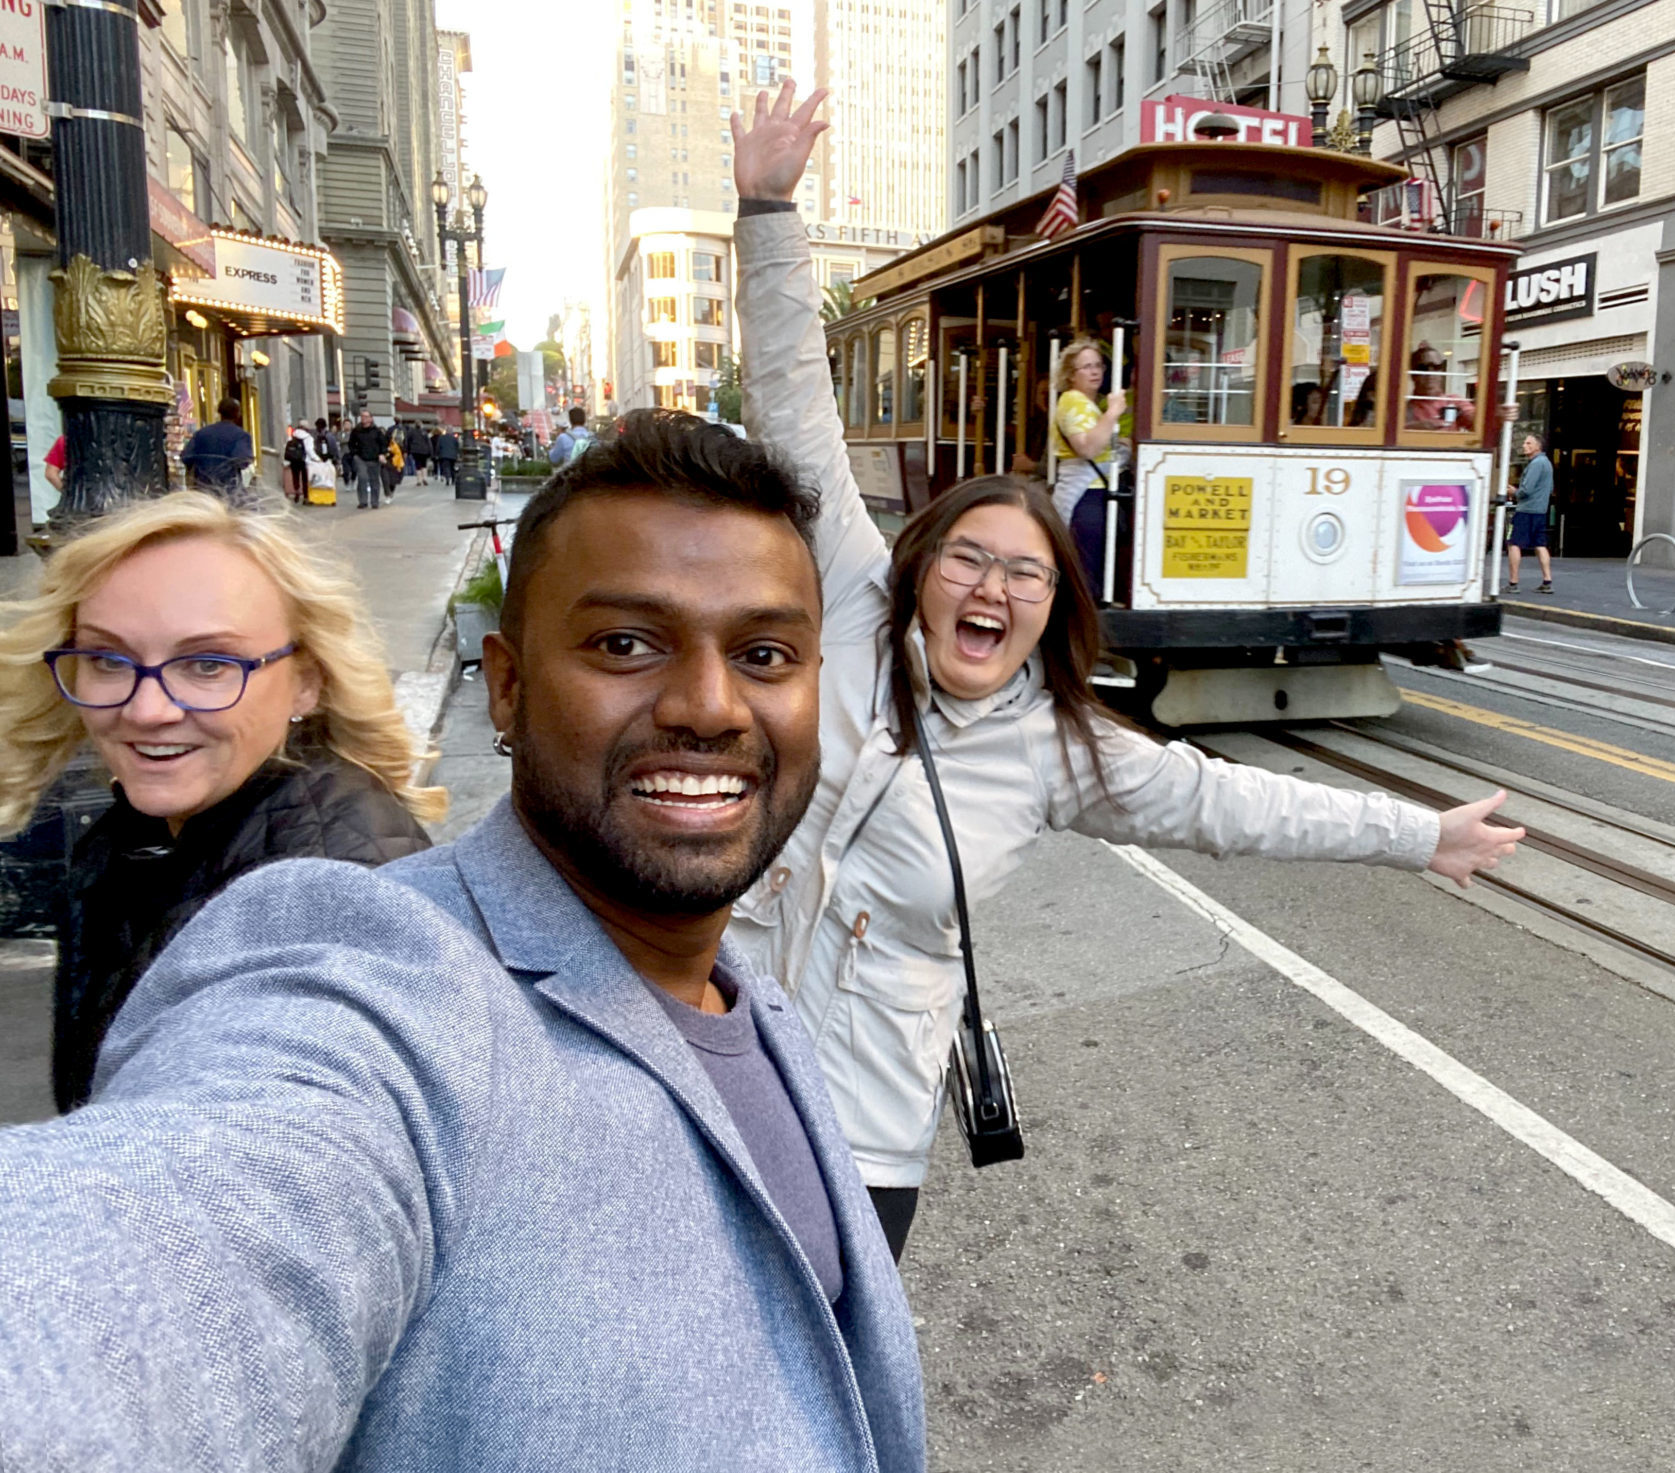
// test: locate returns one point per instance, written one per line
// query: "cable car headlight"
(1324, 537)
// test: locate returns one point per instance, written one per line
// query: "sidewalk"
(1592, 593)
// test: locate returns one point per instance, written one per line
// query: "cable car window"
(1211, 351)
(857, 381)
(915, 350)
(884, 376)
(1337, 336)
(1442, 354)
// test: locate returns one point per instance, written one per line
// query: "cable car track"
(1541, 840)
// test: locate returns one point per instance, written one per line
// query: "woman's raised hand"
(769, 155)
(1469, 842)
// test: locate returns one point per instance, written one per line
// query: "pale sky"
(537, 124)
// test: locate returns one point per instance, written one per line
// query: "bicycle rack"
(1634, 557)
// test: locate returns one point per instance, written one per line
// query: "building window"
(1012, 152)
(997, 170)
(632, 151)
(660, 265)
(960, 92)
(177, 27)
(1160, 45)
(181, 166)
(706, 311)
(1064, 13)
(660, 309)
(976, 74)
(959, 188)
(1470, 161)
(1592, 152)
(629, 126)
(1094, 83)
(706, 355)
(633, 199)
(1119, 68)
(1017, 37)
(239, 89)
(665, 355)
(1000, 53)
(1061, 101)
(633, 175)
(1041, 147)
(668, 396)
(706, 267)
(1046, 21)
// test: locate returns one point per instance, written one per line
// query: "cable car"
(1313, 414)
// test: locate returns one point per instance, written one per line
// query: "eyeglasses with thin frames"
(965, 565)
(102, 680)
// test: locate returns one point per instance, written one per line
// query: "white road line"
(1636, 1202)
(1588, 649)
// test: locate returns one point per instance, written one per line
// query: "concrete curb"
(422, 695)
(1599, 623)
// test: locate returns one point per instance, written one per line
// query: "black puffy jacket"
(133, 885)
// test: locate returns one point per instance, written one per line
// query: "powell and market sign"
(1552, 292)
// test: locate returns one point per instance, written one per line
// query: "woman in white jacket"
(982, 621)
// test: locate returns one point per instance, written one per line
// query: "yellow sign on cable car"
(1206, 526)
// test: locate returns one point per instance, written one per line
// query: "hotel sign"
(1175, 119)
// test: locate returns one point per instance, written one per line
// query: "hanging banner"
(23, 69)
(1433, 545)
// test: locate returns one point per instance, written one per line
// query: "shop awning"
(265, 286)
(435, 379)
(405, 335)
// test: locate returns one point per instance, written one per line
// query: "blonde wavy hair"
(356, 716)
(1068, 356)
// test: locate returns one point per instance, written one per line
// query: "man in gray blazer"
(497, 1158)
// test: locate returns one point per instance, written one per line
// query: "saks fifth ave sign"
(1552, 292)
(23, 69)
(1176, 119)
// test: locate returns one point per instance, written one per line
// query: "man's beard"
(681, 875)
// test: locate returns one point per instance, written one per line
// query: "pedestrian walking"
(367, 447)
(419, 452)
(326, 436)
(218, 455)
(298, 450)
(395, 464)
(1533, 495)
(500, 1156)
(980, 630)
(230, 682)
(322, 468)
(447, 454)
(573, 441)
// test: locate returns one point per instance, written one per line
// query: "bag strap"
(973, 1008)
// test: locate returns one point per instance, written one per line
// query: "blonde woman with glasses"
(229, 681)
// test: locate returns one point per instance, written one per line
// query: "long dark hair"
(1069, 644)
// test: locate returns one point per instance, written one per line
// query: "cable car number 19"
(1333, 482)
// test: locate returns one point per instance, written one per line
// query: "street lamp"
(469, 482)
(1367, 89)
(1320, 86)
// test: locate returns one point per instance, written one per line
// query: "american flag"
(485, 286)
(1061, 212)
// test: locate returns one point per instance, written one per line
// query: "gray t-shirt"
(750, 1087)
(1535, 486)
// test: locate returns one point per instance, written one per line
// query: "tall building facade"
(1554, 126)
(1030, 80)
(680, 71)
(379, 62)
(453, 61)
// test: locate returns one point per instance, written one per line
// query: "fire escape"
(1217, 39)
(1457, 47)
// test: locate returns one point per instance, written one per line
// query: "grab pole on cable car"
(1118, 333)
(959, 436)
(933, 420)
(1503, 469)
(1000, 415)
(1052, 410)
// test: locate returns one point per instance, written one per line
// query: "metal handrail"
(1634, 557)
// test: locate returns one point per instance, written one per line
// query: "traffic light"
(372, 373)
(490, 409)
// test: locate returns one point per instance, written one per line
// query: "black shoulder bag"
(978, 1079)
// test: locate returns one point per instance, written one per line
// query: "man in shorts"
(1529, 513)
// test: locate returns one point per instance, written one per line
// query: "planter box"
(471, 623)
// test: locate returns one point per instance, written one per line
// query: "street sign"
(23, 69)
